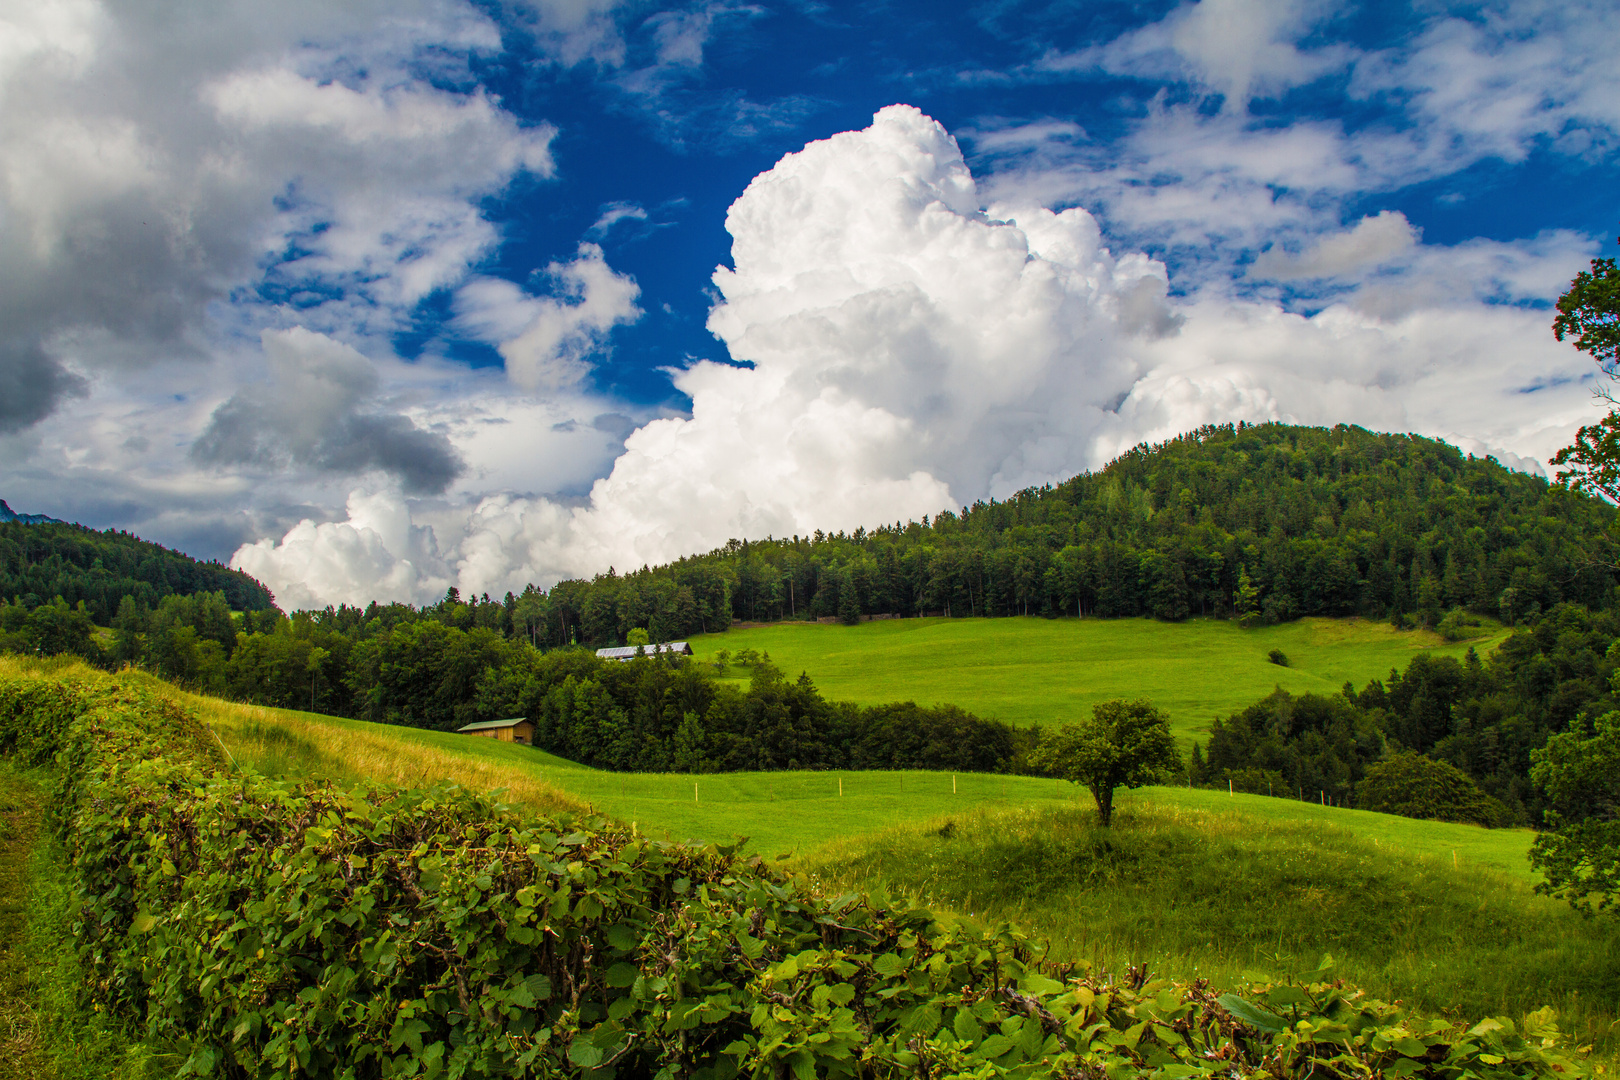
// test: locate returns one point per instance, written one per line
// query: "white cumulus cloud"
(547, 341)
(912, 349)
(377, 554)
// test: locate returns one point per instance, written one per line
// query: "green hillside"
(1213, 888)
(1195, 883)
(1044, 671)
(1263, 523)
(338, 873)
(780, 811)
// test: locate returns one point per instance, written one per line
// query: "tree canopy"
(1261, 523)
(1419, 787)
(1579, 852)
(1485, 717)
(1590, 313)
(1124, 744)
(39, 562)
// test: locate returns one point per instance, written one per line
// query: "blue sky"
(387, 298)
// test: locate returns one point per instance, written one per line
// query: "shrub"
(1415, 786)
(1457, 625)
(1278, 657)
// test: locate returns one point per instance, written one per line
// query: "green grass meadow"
(1217, 892)
(1194, 883)
(1049, 671)
(781, 812)
(1191, 882)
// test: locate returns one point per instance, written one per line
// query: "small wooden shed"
(518, 730)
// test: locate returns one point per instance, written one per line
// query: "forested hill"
(1268, 522)
(39, 562)
(1265, 522)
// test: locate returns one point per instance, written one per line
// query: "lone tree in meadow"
(1124, 744)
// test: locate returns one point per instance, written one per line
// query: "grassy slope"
(1194, 882)
(1214, 892)
(21, 803)
(1040, 671)
(781, 812)
(46, 1030)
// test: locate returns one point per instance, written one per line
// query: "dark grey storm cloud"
(424, 461)
(318, 411)
(32, 384)
(249, 432)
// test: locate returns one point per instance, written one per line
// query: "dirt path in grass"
(21, 805)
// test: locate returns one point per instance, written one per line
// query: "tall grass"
(1195, 892)
(278, 742)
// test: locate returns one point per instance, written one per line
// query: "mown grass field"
(781, 812)
(1048, 671)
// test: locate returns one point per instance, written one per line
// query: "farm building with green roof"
(516, 730)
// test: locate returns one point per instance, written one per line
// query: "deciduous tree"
(1579, 852)
(1590, 313)
(1124, 744)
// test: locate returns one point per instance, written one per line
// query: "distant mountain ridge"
(8, 514)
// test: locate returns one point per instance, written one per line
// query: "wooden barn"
(628, 652)
(517, 730)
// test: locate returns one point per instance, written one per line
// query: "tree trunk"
(1105, 804)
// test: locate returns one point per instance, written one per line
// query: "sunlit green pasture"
(1193, 887)
(1047, 671)
(1191, 882)
(779, 811)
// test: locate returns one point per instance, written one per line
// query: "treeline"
(1484, 718)
(40, 562)
(657, 714)
(188, 639)
(1265, 523)
(421, 669)
(652, 714)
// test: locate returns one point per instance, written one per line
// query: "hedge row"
(274, 929)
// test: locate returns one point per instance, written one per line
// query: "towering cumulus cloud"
(906, 347)
(912, 349)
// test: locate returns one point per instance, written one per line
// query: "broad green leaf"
(966, 1026)
(1252, 1015)
(584, 1055)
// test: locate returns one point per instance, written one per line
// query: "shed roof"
(490, 725)
(627, 652)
